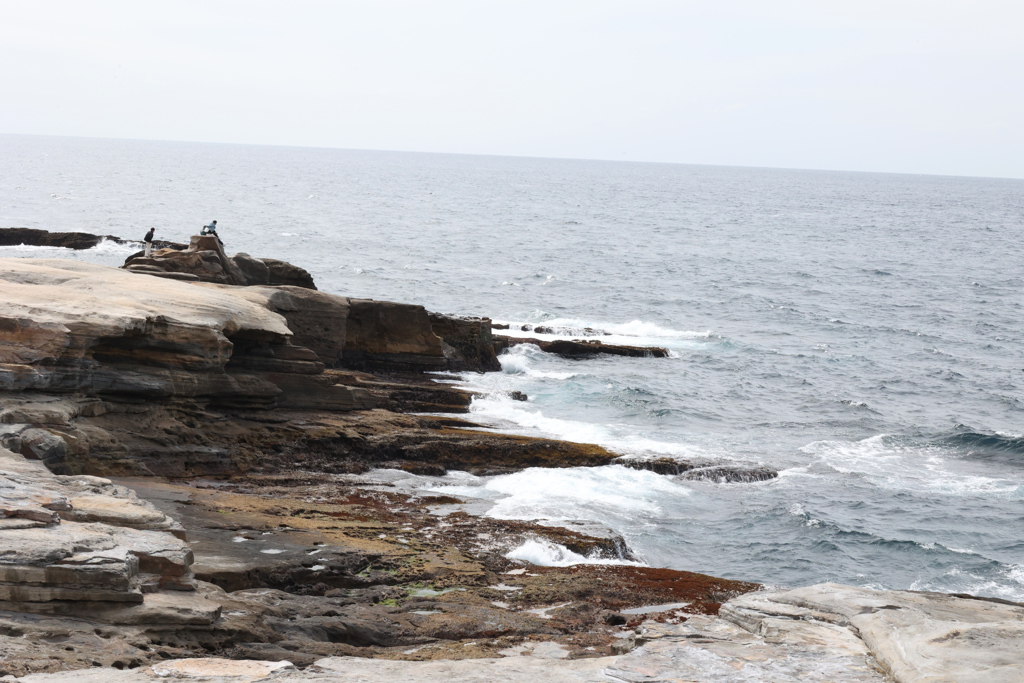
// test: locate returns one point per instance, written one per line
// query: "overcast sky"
(906, 86)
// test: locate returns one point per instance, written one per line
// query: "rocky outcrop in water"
(702, 470)
(12, 237)
(577, 348)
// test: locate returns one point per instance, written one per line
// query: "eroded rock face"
(72, 545)
(391, 337)
(287, 274)
(72, 327)
(318, 321)
(254, 270)
(467, 342)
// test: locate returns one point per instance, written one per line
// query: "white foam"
(610, 495)
(963, 581)
(632, 333)
(105, 253)
(544, 553)
(517, 361)
(620, 439)
(888, 463)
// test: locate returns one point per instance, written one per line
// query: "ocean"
(860, 333)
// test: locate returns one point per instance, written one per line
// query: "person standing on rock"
(148, 239)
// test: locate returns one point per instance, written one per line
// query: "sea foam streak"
(106, 253)
(890, 463)
(544, 553)
(606, 494)
(633, 333)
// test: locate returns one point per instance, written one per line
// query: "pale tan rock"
(521, 669)
(926, 637)
(244, 671)
(73, 327)
(119, 547)
(116, 511)
(713, 649)
(57, 308)
(29, 490)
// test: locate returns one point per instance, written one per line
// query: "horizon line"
(512, 156)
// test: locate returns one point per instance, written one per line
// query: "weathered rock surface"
(318, 321)
(30, 491)
(204, 260)
(389, 337)
(916, 637)
(71, 327)
(820, 634)
(286, 274)
(467, 342)
(81, 539)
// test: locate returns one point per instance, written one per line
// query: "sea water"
(860, 333)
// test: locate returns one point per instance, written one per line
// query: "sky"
(905, 86)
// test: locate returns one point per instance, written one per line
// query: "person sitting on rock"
(211, 229)
(148, 239)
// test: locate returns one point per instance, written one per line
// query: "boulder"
(467, 342)
(284, 273)
(254, 270)
(40, 444)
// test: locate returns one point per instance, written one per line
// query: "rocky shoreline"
(204, 456)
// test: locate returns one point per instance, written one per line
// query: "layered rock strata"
(390, 337)
(820, 634)
(467, 343)
(75, 328)
(83, 545)
(306, 545)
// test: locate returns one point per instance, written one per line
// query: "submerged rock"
(730, 474)
(576, 348)
(724, 473)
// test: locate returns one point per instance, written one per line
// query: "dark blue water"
(862, 333)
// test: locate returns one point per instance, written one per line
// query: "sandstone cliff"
(270, 522)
